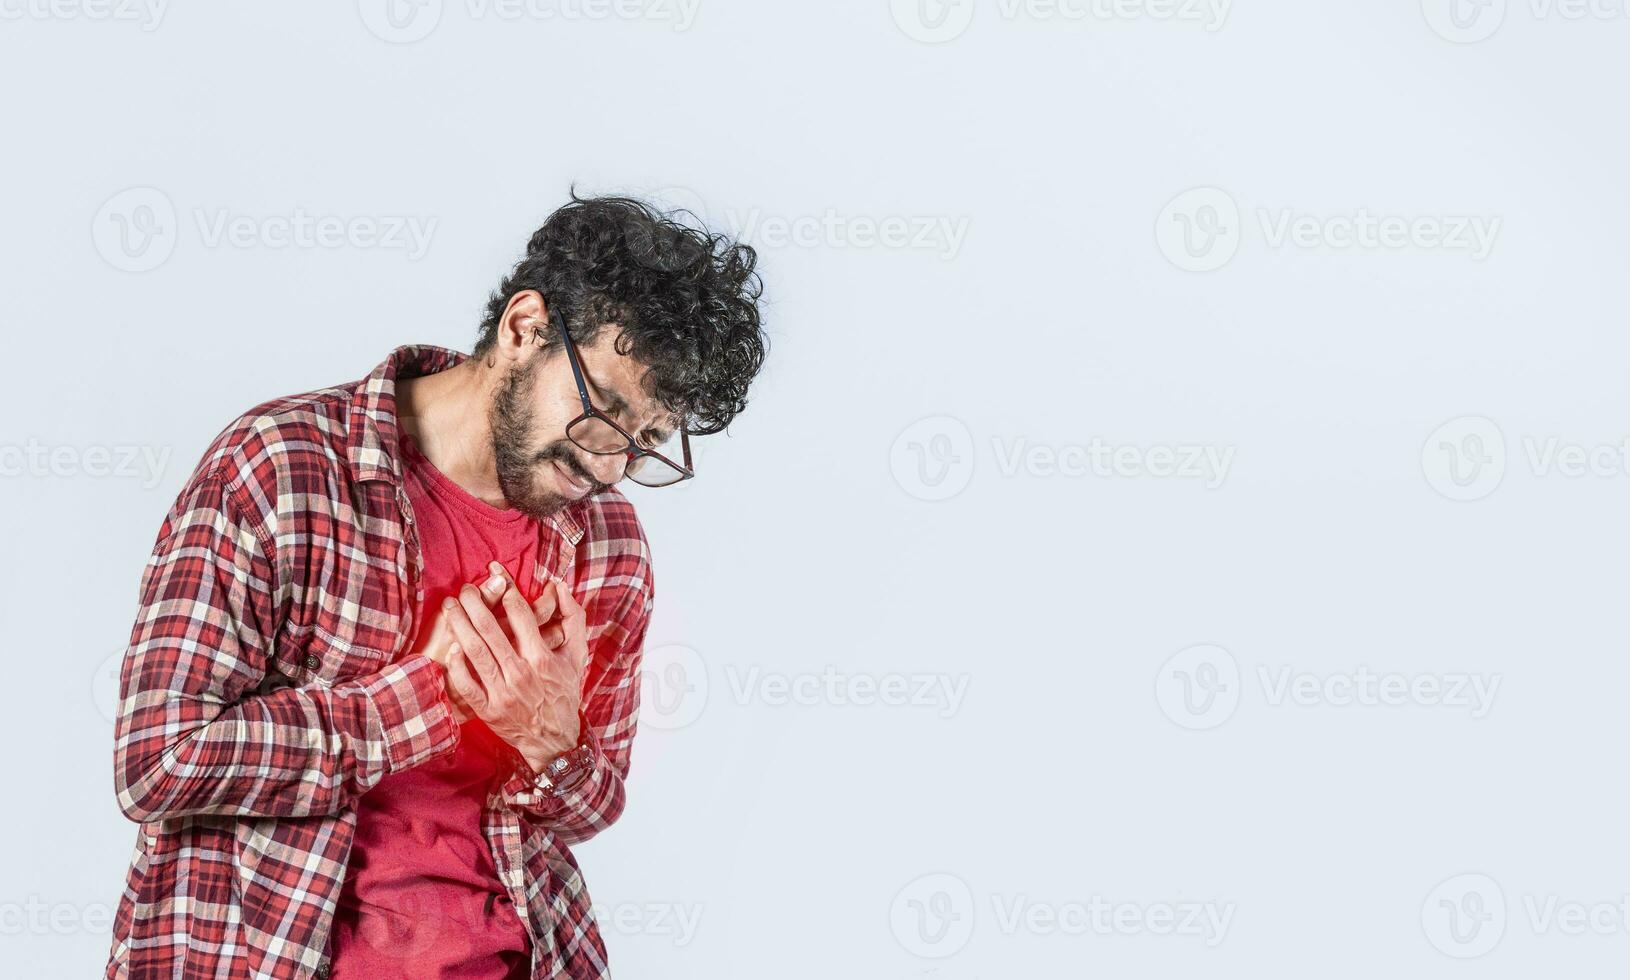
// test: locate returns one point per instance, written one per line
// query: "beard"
(521, 467)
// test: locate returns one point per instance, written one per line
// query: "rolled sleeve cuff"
(415, 716)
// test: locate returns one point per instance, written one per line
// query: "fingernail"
(447, 603)
(496, 584)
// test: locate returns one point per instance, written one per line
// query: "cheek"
(551, 412)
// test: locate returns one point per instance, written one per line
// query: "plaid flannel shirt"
(265, 688)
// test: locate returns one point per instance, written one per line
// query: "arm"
(609, 712)
(192, 737)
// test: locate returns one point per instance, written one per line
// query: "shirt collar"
(372, 440)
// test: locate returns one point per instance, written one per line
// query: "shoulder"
(282, 450)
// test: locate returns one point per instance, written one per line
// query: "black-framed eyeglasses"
(649, 465)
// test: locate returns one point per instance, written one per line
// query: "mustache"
(567, 459)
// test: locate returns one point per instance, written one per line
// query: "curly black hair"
(687, 300)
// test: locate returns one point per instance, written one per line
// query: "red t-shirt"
(421, 895)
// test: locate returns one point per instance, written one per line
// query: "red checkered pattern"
(267, 686)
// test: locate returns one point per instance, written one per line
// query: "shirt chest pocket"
(351, 601)
(313, 655)
(350, 634)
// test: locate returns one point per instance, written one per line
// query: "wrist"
(558, 766)
(537, 753)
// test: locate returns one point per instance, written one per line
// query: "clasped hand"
(525, 682)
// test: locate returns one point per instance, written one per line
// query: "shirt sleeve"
(195, 735)
(610, 711)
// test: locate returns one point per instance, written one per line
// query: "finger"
(495, 585)
(545, 604)
(570, 612)
(503, 652)
(435, 645)
(464, 685)
(522, 625)
(475, 646)
(573, 626)
(461, 709)
(554, 637)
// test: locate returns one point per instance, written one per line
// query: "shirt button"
(322, 971)
(312, 662)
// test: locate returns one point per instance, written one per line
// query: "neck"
(446, 414)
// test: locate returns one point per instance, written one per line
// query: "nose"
(608, 468)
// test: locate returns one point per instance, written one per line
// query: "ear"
(524, 318)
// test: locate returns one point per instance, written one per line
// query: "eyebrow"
(619, 406)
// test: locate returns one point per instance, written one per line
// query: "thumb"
(496, 584)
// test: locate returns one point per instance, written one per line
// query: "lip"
(577, 489)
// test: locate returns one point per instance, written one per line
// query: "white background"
(834, 531)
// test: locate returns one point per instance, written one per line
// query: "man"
(385, 667)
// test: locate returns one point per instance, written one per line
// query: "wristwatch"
(566, 771)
